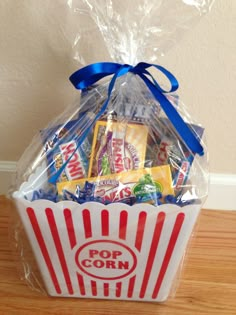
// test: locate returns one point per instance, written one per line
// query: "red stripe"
(94, 288)
(131, 287)
(60, 253)
(105, 222)
(87, 223)
(43, 248)
(140, 230)
(81, 284)
(70, 227)
(174, 236)
(106, 289)
(123, 224)
(152, 252)
(118, 289)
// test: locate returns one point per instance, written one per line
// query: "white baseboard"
(7, 166)
(222, 190)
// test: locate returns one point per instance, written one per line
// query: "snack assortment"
(120, 145)
(121, 159)
(143, 185)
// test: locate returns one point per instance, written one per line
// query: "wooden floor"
(207, 286)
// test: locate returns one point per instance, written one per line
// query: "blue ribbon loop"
(91, 74)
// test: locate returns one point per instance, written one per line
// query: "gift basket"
(109, 192)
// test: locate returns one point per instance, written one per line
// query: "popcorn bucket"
(111, 251)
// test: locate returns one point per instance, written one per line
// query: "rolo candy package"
(109, 192)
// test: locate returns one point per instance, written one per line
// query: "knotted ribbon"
(91, 74)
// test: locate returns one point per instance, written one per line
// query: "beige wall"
(36, 58)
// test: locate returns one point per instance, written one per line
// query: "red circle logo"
(107, 260)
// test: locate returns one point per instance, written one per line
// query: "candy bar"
(117, 147)
(61, 145)
(181, 175)
(164, 147)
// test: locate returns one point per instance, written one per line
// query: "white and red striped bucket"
(112, 252)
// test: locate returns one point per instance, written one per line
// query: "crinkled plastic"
(109, 196)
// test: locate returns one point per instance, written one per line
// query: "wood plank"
(207, 285)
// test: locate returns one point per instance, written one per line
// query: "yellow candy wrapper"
(117, 147)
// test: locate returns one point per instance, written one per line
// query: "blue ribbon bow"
(90, 74)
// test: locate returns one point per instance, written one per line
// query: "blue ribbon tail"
(189, 138)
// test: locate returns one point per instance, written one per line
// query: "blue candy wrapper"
(61, 144)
